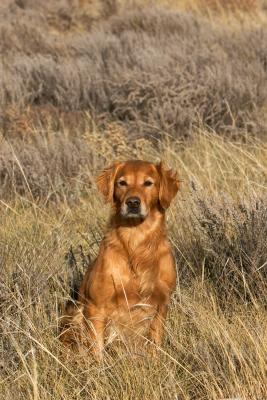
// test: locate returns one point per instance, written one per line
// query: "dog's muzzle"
(133, 205)
(132, 208)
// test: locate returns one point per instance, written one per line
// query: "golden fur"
(126, 291)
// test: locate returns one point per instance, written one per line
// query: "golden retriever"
(126, 291)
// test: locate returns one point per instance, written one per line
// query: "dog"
(127, 290)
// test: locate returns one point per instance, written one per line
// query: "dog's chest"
(133, 311)
(135, 281)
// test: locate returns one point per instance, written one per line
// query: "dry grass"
(216, 339)
(160, 82)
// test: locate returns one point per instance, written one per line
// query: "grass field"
(83, 83)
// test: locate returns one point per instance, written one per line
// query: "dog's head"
(136, 187)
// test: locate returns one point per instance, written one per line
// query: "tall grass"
(215, 344)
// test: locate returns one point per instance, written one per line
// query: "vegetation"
(83, 83)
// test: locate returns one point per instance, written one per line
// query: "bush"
(150, 70)
(227, 247)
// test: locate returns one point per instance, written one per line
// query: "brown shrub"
(48, 168)
(149, 70)
(227, 246)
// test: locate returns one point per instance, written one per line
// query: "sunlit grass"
(212, 349)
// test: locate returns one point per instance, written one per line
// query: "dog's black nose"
(133, 202)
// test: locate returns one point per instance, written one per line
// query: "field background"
(86, 82)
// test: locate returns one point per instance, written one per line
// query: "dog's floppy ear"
(169, 185)
(105, 181)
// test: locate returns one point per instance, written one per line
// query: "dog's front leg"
(97, 322)
(157, 325)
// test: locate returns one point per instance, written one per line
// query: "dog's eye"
(148, 183)
(122, 183)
